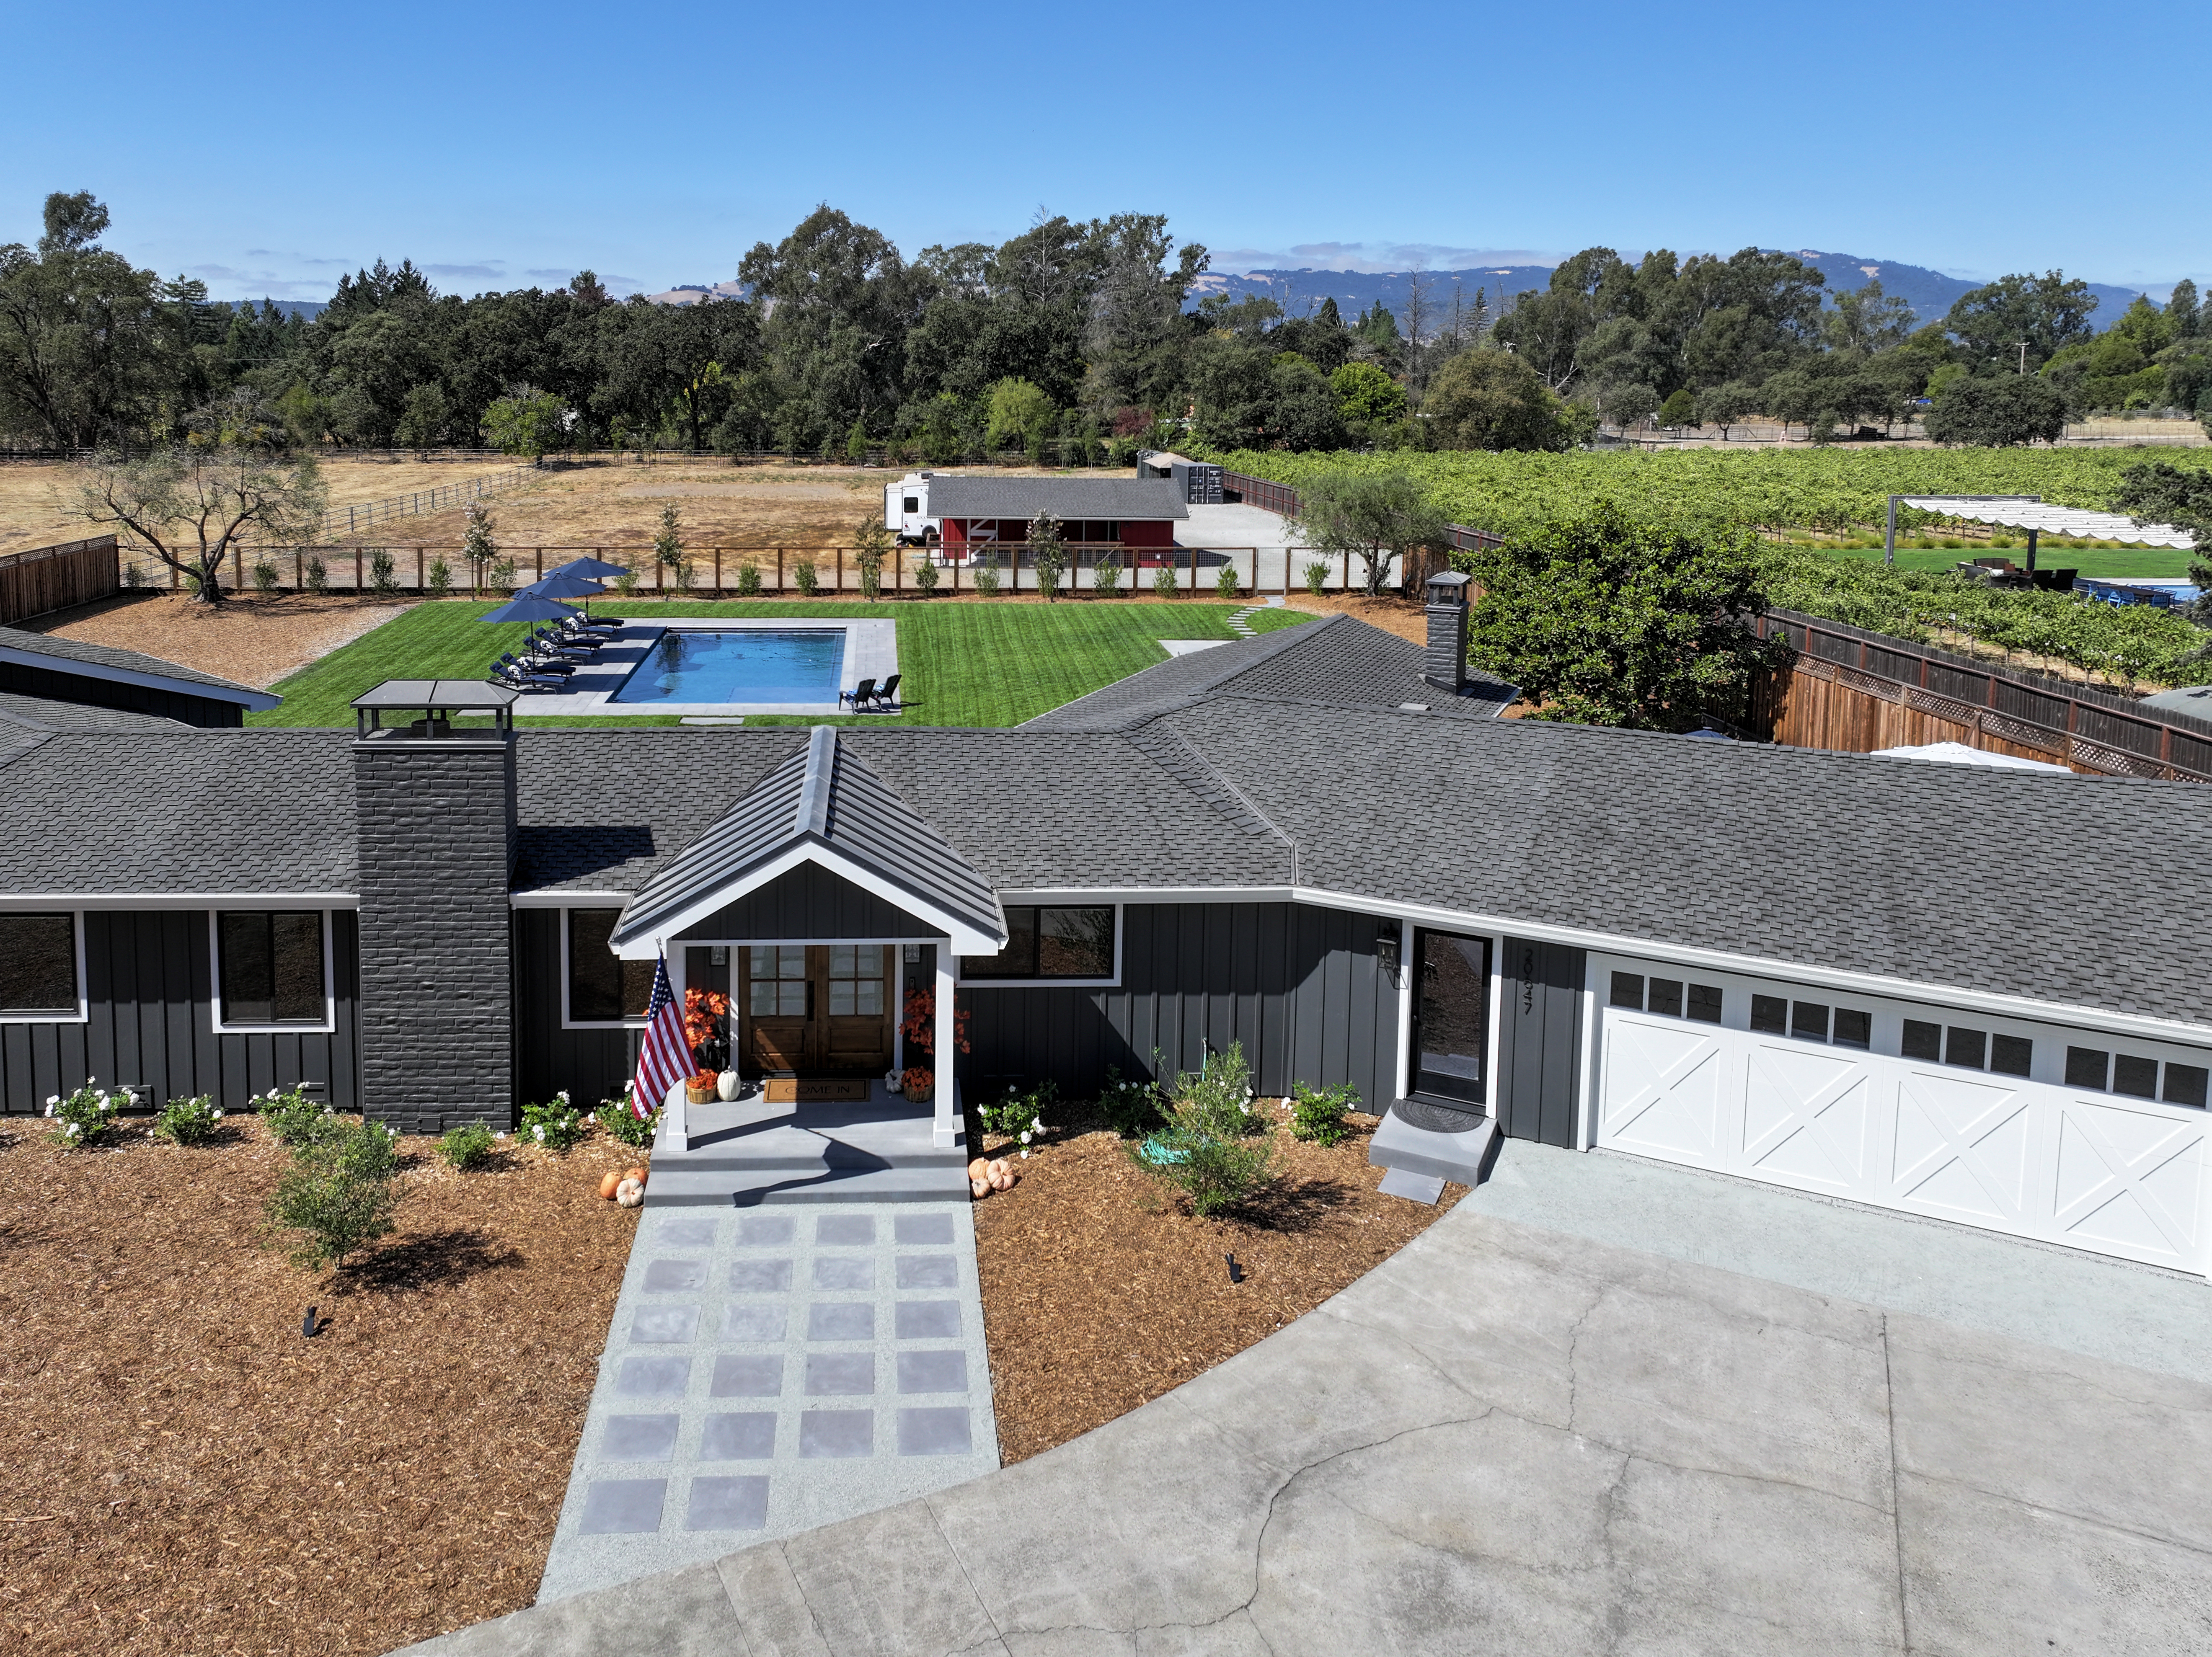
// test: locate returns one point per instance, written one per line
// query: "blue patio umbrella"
(598, 567)
(527, 606)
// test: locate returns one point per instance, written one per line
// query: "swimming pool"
(739, 665)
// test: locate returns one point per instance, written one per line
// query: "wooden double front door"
(814, 1008)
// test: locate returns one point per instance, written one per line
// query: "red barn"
(1139, 513)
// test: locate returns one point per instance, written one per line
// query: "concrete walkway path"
(1517, 1437)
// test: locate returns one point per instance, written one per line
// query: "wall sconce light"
(1386, 954)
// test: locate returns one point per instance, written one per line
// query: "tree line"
(1074, 340)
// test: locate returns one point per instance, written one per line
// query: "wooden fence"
(1857, 691)
(54, 577)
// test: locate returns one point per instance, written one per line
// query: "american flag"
(666, 1057)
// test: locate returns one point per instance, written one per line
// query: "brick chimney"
(1445, 667)
(434, 808)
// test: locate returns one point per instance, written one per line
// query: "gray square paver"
(747, 1436)
(686, 1233)
(652, 1378)
(824, 1433)
(747, 1374)
(844, 1272)
(928, 1272)
(675, 1277)
(756, 1322)
(764, 1231)
(665, 1326)
(834, 1373)
(638, 1438)
(924, 1228)
(623, 1507)
(840, 1320)
(932, 1372)
(739, 1504)
(760, 1278)
(941, 1431)
(845, 1230)
(928, 1319)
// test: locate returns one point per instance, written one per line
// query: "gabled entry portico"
(816, 902)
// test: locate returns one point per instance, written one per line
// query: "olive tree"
(191, 505)
(1377, 515)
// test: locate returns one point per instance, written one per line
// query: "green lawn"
(964, 663)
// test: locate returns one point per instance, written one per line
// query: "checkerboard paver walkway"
(770, 1369)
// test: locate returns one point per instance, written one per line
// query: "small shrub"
(1317, 1115)
(1163, 582)
(987, 575)
(556, 1125)
(192, 1121)
(294, 1119)
(1130, 1108)
(1216, 1152)
(265, 578)
(317, 576)
(441, 578)
(1020, 1115)
(467, 1148)
(1106, 574)
(338, 1193)
(1317, 577)
(1226, 581)
(1216, 1097)
(133, 577)
(625, 1124)
(86, 1114)
(749, 581)
(502, 576)
(805, 577)
(925, 573)
(1219, 1174)
(381, 568)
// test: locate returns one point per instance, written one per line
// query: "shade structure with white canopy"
(2029, 512)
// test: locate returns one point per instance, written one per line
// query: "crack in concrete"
(2045, 1508)
(1896, 1516)
(966, 1575)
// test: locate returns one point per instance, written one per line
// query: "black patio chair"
(863, 692)
(887, 693)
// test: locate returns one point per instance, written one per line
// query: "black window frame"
(1022, 961)
(75, 1007)
(234, 1012)
(628, 975)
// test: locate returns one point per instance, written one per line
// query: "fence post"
(718, 571)
(840, 571)
(779, 572)
(237, 567)
(419, 588)
(356, 572)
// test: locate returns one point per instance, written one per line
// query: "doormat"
(807, 1090)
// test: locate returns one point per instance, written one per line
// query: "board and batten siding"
(149, 992)
(1298, 985)
(808, 903)
(591, 1064)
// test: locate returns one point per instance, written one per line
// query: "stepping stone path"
(1241, 626)
(774, 1368)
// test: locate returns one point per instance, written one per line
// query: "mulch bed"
(187, 1474)
(1099, 1294)
(247, 639)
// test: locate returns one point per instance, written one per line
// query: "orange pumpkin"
(608, 1182)
(636, 1173)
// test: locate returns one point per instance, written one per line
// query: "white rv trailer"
(906, 510)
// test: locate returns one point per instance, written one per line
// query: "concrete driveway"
(1516, 1436)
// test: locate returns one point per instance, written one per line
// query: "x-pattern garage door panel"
(1808, 1118)
(1962, 1150)
(2126, 1179)
(1664, 1090)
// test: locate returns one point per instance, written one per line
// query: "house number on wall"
(1528, 981)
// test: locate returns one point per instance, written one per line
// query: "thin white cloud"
(1375, 257)
(485, 270)
(229, 282)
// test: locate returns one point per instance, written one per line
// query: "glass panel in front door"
(859, 1033)
(779, 1032)
(1452, 1015)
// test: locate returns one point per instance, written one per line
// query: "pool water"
(744, 665)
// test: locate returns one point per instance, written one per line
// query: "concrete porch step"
(689, 1187)
(1460, 1157)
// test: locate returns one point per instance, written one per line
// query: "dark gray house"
(1841, 972)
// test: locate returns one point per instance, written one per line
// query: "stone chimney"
(1445, 667)
(434, 808)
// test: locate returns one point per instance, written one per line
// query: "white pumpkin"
(631, 1193)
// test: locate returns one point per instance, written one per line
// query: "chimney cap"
(434, 699)
(1449, 585)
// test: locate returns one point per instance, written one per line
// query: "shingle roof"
(1124, 499)
(42, 713)
(105, 661)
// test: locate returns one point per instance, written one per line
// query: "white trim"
(83, 1013)
(966, 940)
(1404, 1073)
(1114, 982)
(82, 900)
(329, 1023)
(258, 700)
(564, 898)
(2009, 1006)
(625, 1022)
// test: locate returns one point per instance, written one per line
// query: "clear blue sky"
(267, 148)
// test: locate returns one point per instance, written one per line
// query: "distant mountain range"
(1929, 293)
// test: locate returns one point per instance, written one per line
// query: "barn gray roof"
(125, 666)
(1118, 498)
(20, 713)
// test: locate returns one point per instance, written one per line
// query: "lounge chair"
(547, 641)
(583, 627)
(863, 692)
(522, 665)
(887, 693)
(514, 678)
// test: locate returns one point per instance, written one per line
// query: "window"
(38, 965)
(272, 967)
(1923, 1041)
(1628, 990)
(777, 973)
(1667, 997)
(1044, 942)
(1770, 1014)
(1705, 1002)
(2011, 1055)
(856, 980)
(910, 503)
(2136, 1077)
(603, 990)
(1854, 1029)
(1965, 1047)
(2184, 1085)
(1808, 1021)
(2085, 1068)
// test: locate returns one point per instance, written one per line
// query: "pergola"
(2027, 512)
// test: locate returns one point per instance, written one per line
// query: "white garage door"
(2116, 1174)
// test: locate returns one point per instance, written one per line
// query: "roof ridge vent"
(814, 787)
